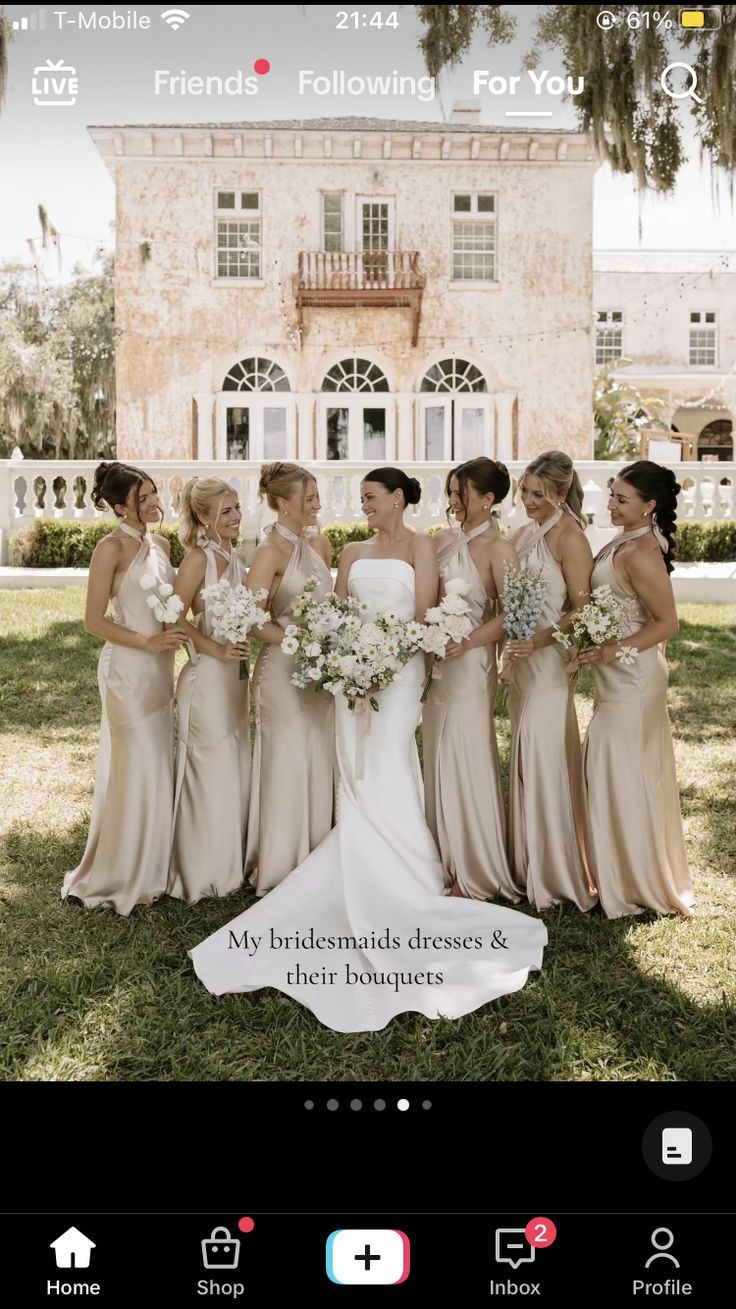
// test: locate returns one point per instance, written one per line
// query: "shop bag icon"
(221, 1250)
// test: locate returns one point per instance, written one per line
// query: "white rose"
(434, 615)
(166, 589)
(147, 583)
(152, 601)
(454, 604)
(457, 586)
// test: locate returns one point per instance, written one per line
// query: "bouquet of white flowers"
(603, 619)
(338, 648)
(447, 621)
(166, 606)
(523, 601)
(235, 610)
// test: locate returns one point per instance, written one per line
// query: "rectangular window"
(333, 227)
(238, 224)
(474, 238)
(609, 335)
(703, 352)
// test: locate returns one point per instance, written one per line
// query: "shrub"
(61, 543)
(707, 542)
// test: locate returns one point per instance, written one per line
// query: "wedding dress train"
(361, 930)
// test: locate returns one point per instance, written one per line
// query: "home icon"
(72, 1249)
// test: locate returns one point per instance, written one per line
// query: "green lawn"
(91, 996)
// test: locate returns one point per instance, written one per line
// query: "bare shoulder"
(268, 551)
(194, 560)
(422, 546)
(518, 535)
(322, 545)
(645, 559)
(163, 544)
(352, 550)
(501, 547)
(574, 544)
(108, 550)
(442, 538)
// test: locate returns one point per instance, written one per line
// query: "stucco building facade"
(669, 317)
(352, 289)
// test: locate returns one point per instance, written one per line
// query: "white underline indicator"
(528, 113)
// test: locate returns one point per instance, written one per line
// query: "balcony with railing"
(380, 279)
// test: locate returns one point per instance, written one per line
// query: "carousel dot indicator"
(261, 67)
(333, 1105)
(426, 1104)
(309, 1104)
(403, 1105)
(379, 1105)
(246, 1224)
(356, 1104)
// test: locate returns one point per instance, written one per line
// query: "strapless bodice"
(384, 584)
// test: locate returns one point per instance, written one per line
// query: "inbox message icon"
(367, 1257)
(512, 1247)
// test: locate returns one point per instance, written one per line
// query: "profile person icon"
(662, 1245)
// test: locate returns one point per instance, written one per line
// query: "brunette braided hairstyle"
(654, 482)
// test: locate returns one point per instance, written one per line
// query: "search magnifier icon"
(689, 92)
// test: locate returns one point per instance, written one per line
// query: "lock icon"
(221, 1250)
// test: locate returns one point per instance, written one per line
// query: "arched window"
(454, 375)
(716, 441)
(355, 375)
(256, 374)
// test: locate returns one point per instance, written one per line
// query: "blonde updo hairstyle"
(197, 499)
(556, 472)
(280, 481)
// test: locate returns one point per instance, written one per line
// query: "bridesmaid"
(464, 802)
(634, 814)
(213, 755)
(294, 752)
(547, 839)
(129, 843)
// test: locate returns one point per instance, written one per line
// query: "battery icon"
(704, 20)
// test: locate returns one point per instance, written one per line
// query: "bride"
(361, 930)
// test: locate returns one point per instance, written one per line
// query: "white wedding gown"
(376, 879)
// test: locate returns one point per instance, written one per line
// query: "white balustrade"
(31, 489)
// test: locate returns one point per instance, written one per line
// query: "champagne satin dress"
(213, 761)
(635, 823)
(293, 780)
(128, 848)
(464, 804)
(547, 837)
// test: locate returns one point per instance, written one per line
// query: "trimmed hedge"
(706, 542)
(61, 543)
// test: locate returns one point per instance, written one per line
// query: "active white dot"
(402, 1105)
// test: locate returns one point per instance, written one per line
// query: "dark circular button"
(677, 1146)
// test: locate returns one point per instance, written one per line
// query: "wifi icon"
(175, 18)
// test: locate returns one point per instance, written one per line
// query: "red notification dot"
(261, 67)
(246, 1224)
(540, 1232)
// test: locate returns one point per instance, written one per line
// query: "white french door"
(453, 429)
(255, 425)
(356, 427)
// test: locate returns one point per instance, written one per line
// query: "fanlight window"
(256, 374)
(454, 375)
(355, 375)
